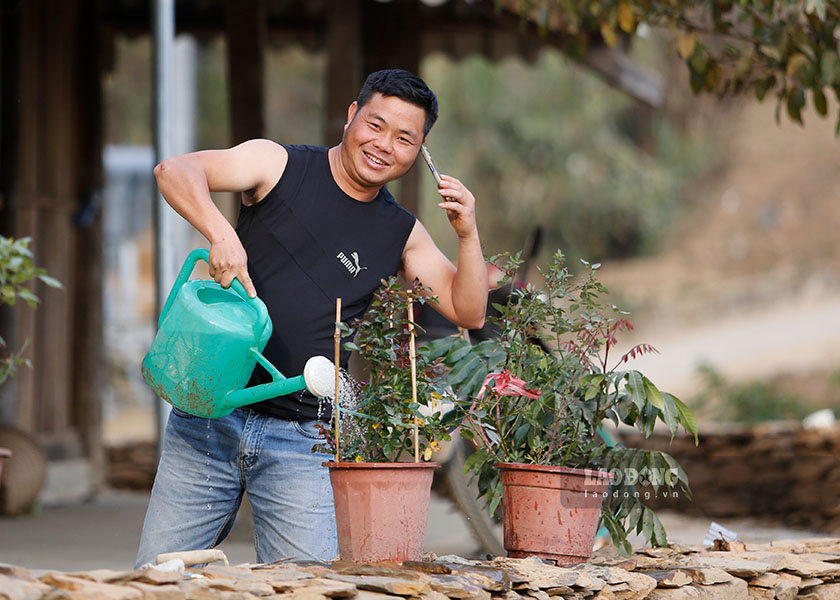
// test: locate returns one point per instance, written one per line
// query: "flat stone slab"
(798, 569)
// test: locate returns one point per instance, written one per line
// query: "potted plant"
(388, 429)
(535, 401)
(16, 272)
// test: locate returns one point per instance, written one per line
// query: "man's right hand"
(228, 259)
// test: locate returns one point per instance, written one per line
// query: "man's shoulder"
(305, 149)
(304, 158)
(387, 198)
(401, 220)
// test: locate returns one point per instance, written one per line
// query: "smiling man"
(315, 224)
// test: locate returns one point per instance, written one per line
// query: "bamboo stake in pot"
(337, 409)
(413, 359)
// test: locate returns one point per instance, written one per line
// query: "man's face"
(382, 139)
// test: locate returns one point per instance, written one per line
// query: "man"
(315, 224)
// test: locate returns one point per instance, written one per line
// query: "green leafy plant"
(784, 48)
(379, 420)
(16, 271)
(541, 392)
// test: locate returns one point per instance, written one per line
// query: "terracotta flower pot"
(381, 509)
(551, 512)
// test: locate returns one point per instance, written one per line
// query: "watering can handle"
(189, 264)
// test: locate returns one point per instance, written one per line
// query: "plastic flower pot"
(381, 509)
(551, 512)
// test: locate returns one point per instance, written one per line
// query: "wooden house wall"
(56, 145)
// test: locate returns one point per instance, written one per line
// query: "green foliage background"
(543, 143)
(550, 144)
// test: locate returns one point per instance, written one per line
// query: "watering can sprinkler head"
(319, 376)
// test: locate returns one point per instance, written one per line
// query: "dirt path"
(797, 337)
(749, 281)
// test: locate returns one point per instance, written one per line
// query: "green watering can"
(208, 342)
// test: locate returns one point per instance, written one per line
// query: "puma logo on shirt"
(351, 265)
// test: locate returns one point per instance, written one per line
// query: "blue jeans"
(207, 464)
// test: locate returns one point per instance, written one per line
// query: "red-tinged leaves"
(507, 384)
(639, 350)
(546, 404)
(624, 325)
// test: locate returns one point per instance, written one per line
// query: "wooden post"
(392, 41)
(51, 136)
(245, 22)
(344, 65)
(10, 50)
(47, 195)
(88, 329)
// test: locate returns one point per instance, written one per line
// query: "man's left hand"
(459, 204)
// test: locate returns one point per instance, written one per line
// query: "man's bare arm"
(185, 182)
(461, 290)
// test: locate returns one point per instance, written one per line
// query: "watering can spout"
(316, 377)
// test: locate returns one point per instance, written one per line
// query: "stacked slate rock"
(779, 470)
(806, 569)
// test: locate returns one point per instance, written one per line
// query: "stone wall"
(777, 470)
(131, 466)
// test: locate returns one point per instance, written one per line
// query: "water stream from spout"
(349, 390)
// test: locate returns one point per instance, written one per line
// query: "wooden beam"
(29, 101)
(245, 24)
(344, 65)
(59, 162)
(58, 151)
(52, 363)
(391, 35)
(25, 322)
(88, 330)
(58, 141)
(9, 116)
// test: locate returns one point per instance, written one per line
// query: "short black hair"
(405, 86)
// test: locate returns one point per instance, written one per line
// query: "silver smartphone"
(428, 158)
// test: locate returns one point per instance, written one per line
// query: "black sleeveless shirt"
(309, 243)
